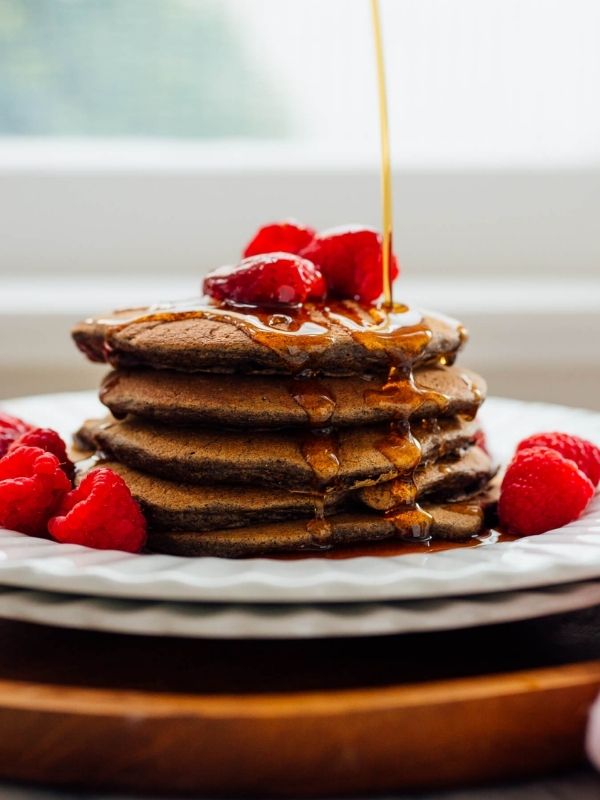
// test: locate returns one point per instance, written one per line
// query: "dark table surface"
(583, 784)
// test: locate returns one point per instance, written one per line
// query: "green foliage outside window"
(172, 68)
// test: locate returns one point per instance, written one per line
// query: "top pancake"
(256, 401)
(341, 340)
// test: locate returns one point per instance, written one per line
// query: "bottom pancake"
(456, 522)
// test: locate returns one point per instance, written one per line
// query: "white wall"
(127, 207)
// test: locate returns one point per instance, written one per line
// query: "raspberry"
(542, 490)
(32, 485)
(480, 440)
(10, 429)
(100, 513)
(585, 454)
(350, 260)
(288, 236)
(265, 279)
(49, 441)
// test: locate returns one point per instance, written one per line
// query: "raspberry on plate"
(100, 513)
(288, 236)
(267, 279)
(584, 453)
(10, 429)
(49, 441)
(32, 485)
(542, 490)
(350, 259)
(480, 440)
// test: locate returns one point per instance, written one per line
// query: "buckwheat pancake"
(350, 457)
(453, 522)
(337, 340)
(252, 401)
(170, 505)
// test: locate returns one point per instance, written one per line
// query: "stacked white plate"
(74, 586)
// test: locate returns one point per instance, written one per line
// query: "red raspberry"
(100, 513)
(585, 454)
(480, 440)
(288, 236)
(542, 490)
(32, 485)
(10, 429)
(265, 279)
(350, 260)
(49, 441)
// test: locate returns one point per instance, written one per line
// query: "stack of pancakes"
(245, 432)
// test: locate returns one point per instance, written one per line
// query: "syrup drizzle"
(399, 331)
(315, 399)
(403, 336)
(412, 522)
(395, 547)
(400, 447)
(319, 446)
(402, 393)
(403, 451)
(320, 451)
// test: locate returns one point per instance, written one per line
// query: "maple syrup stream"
(386, 161)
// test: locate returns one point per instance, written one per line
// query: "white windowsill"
(146, 207)
(46, 154)
(64, 295)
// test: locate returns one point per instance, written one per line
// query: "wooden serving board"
(110, 712)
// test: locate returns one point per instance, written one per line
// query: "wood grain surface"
(110, 712)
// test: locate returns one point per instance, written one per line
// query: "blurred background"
(143, 141)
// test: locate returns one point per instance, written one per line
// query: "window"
(509, 82)
(149, 68)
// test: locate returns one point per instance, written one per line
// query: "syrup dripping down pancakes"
(247, 432)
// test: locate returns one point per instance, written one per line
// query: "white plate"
(298, 621)
(566, 555)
